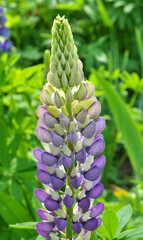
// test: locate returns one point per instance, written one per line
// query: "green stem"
(69, 231)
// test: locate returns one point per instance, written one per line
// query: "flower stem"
(69, 231)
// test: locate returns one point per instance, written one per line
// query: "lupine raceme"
(69, 128)
(4, 33)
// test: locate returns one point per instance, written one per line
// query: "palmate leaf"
(132, 138)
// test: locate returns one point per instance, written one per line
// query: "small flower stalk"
(69, 129)
(4, 33)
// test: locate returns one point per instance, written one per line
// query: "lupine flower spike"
(70, 165)
(4, 32)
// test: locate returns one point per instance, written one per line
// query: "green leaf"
(68, 6)
(25, 225)
(16, 190)
(33, 238)
(132, 138)
(124, 215)
(103, 232)
(12, 211)
(104, 14)
(110, 221)
(3, 144)
(40, 238)
(3, 185)
(132, 234)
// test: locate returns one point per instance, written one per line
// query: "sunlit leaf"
(25, 225)
(132, 234)
(124, 215)
(110, 221)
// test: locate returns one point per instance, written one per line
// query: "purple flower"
(4, 31)
(69, 131)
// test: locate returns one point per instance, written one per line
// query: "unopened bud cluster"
(70, 165)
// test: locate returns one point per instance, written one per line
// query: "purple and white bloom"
(4, 32)
(69, 163)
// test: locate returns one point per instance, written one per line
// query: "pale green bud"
(78, 146)
(60, 69)
(54, 111)
(56, 80)
(64, 80)
(90, 89)
(69, 95)
(58, 100)
(71, 126)
(82, 92)
(67, 151)
(46, 97)
(59, 129)
(50, 77)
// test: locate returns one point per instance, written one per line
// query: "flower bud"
(82, 92)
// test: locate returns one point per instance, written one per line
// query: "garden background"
(109, 38)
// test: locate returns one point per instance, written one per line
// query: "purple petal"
(99, 221)
(44, 177)
(43, 234)
(4, 31)
(49, 120)
(81, 156)
(84, 204)
(97, 209)
(72, 137)
(41, 124)
(41, 110)
(99, 161)
(67, 161)
(99, 125)
(45, 226)
(41, 214)
(57, 183)
(64, 120)
(92, 174)
(41, 166)
(81, 116)
(6, 45)
(94, 110)
(41, 195)
(96, 181)
(37, 153)
(76, 181)
(68, 201)
(51, 205)
(89, 130)
(96, 191)
(91, 224)
(43, 135)
(77, 227)
(97, 147)
(61, 223)
(57, 140)
(48, 159)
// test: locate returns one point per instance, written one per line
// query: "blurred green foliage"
(109, 38)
